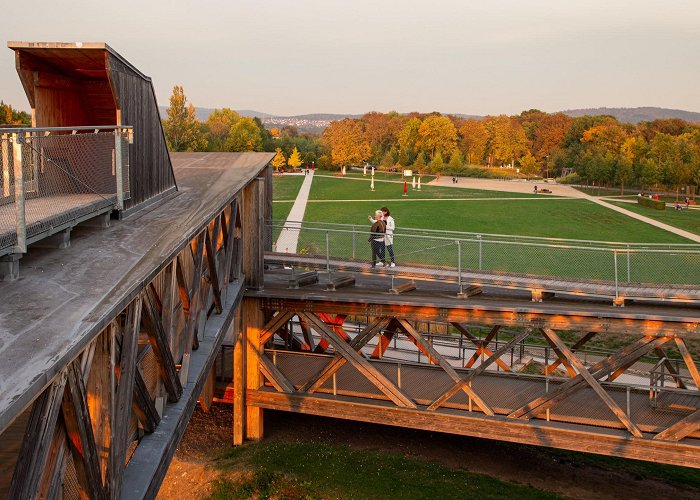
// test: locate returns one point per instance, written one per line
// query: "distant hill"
(636, 115)
(317, 122)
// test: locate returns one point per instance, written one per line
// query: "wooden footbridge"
(109, 339)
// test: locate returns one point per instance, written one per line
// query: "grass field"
(688, 220)
(555, 218)
(319, 470)
(333, 188)
(286, 187)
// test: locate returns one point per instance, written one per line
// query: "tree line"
(589, 149)
(11, 116)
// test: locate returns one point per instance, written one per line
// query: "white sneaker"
(393, 265)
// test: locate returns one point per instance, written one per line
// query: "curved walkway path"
(289, 236)
(558, 190)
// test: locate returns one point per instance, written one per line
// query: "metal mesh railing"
(54, 176)
(449, 255)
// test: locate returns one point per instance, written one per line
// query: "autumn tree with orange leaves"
(346, 140)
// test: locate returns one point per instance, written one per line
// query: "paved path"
(559, 190)
(289, 236)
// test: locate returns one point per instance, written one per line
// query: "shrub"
(648, 202)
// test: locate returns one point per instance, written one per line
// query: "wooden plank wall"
(151, 171)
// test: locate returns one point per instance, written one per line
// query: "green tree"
(244, 136)
(181, 127)
(456, 161)
(10, 116)
(437, 165)
(528, 164)
(437, 135)
(219, 125)
(294, 160)
(419, 165)
(279, 160)
(408, 139)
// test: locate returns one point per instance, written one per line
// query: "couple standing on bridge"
(381, 237)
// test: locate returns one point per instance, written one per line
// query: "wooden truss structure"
(97, 416)
(315, 365)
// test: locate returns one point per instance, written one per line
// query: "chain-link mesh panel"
(52, 178)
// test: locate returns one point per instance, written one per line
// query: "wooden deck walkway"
(537, 285)
(46, 215)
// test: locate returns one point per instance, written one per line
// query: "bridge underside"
(497, 366)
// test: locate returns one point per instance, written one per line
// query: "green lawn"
(317, 470)
(286, 187)
(332, 188)
(555, 218)
(688, 220)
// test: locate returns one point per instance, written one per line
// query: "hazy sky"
(460, 56)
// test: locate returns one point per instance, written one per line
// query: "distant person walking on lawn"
(389, 235)
(376, 237)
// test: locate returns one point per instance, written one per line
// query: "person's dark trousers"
(390, 248)
(377, 251)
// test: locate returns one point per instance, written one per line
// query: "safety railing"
(451, 255)
(51, 177)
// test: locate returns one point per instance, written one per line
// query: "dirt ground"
(192, 472)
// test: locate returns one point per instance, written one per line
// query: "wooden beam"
(689, 362)
(121, 415)
(143, 406)
(211, 264)
(592, 381)
(253, 322)
(446, 396)
(361, 364)
(239, 380)
(159, 343)
(183, 289)
(194, 307)
(76, 418)
(633, 351)
(489, 315)
(569, 369)
(671, 369)
(539, 433)
(482, 348)
(446, 367)
(338, 360)
(276, 377)
(38, 437)
(681, 429)
(169, 301)
(579, 343)
(274, 324)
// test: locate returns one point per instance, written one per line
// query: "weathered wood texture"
(69, 85)
(151, 172)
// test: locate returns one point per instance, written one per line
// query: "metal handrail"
(493, 236)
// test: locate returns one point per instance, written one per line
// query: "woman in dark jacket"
(376, 237)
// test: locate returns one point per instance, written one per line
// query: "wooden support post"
(38, 437)
(253, 224)
(76, 418)
(100, 386)
(121, 417)
(213, 273)
(252, 327)
(194, 307)
(550, 369)
(689, 363)
(239, 379)
(169, 301)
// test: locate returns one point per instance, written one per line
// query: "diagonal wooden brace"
(338, 361)
(382, 383)
(477, 371)
(591, 381)
(446, 367)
